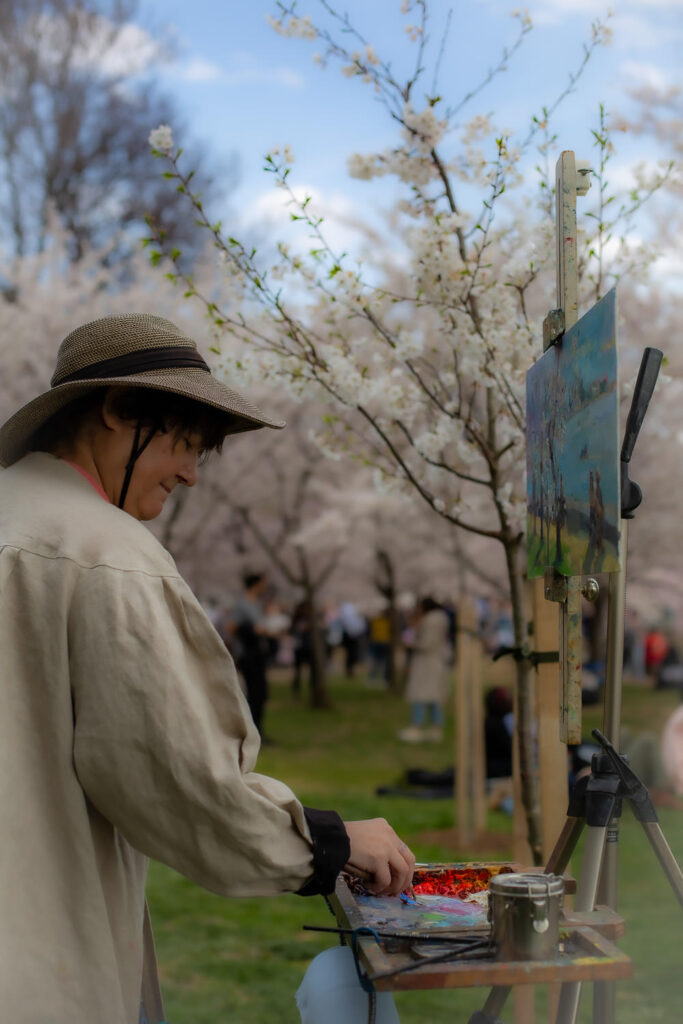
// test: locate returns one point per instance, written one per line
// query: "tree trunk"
(385, 581)
(320, 697)
(524, 725)
(394, 680)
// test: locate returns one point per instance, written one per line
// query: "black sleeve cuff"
(331, 851)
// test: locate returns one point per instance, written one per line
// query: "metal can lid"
(527, 883)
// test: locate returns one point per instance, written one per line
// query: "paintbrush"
(415, 937)
(477, 951)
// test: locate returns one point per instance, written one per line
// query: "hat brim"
(241, 414)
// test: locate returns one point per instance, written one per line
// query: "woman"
(124, 734)
(427, 685)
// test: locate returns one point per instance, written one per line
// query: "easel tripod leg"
(665, 857)
(585, 901)
(492, 1007)
(565, 845)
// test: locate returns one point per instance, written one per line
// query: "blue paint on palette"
(427, 912)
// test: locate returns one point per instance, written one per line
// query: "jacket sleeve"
(164, 745)
(331, 851)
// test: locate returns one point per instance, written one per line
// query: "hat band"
(138, 362)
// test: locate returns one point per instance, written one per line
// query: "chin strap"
(135, 453)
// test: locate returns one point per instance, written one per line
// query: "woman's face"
(168, 460)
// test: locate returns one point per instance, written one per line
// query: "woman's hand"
(379, 857)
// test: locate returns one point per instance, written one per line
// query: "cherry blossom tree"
(45, 295)
(79, 83)
(274, 501)
(423, 353)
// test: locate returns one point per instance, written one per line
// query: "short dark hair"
(151, 408)
(250, 579)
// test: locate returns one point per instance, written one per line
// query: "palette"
(450, 898)
(451, 905)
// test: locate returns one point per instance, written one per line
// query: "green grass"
(242, 960)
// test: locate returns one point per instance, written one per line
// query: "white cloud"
(545, 11)
(113, 51)
(641, 73)
(239, 68)
(95, 44)
(344, 224)
(669, 270)
(644, 29)
(245, 69)
(199, 70)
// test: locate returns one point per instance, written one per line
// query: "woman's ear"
(110, 418)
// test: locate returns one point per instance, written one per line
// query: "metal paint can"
(524, 911)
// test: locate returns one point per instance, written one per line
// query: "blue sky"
(245, 89)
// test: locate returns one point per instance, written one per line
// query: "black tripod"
(596, 802)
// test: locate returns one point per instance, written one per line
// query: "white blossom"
(161, 138)
(424, 130)
(293, 27)
(360, 166)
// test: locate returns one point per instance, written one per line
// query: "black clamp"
(535, 658)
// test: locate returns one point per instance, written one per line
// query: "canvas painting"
(572, 409)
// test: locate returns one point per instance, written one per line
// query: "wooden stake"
(470, 771)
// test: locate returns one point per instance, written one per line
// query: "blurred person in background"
(250, 642)
(354, 628)
(656, 650)
(427, 686)
(301, 636)
(672, 750)
(379, 646)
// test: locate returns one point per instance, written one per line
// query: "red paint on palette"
(457, 882)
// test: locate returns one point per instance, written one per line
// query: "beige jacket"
(123, 735)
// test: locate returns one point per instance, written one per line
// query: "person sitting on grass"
(124, 733)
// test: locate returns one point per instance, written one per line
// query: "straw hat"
(135, 350)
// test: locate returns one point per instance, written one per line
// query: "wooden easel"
(558, 722)
(470, 770)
